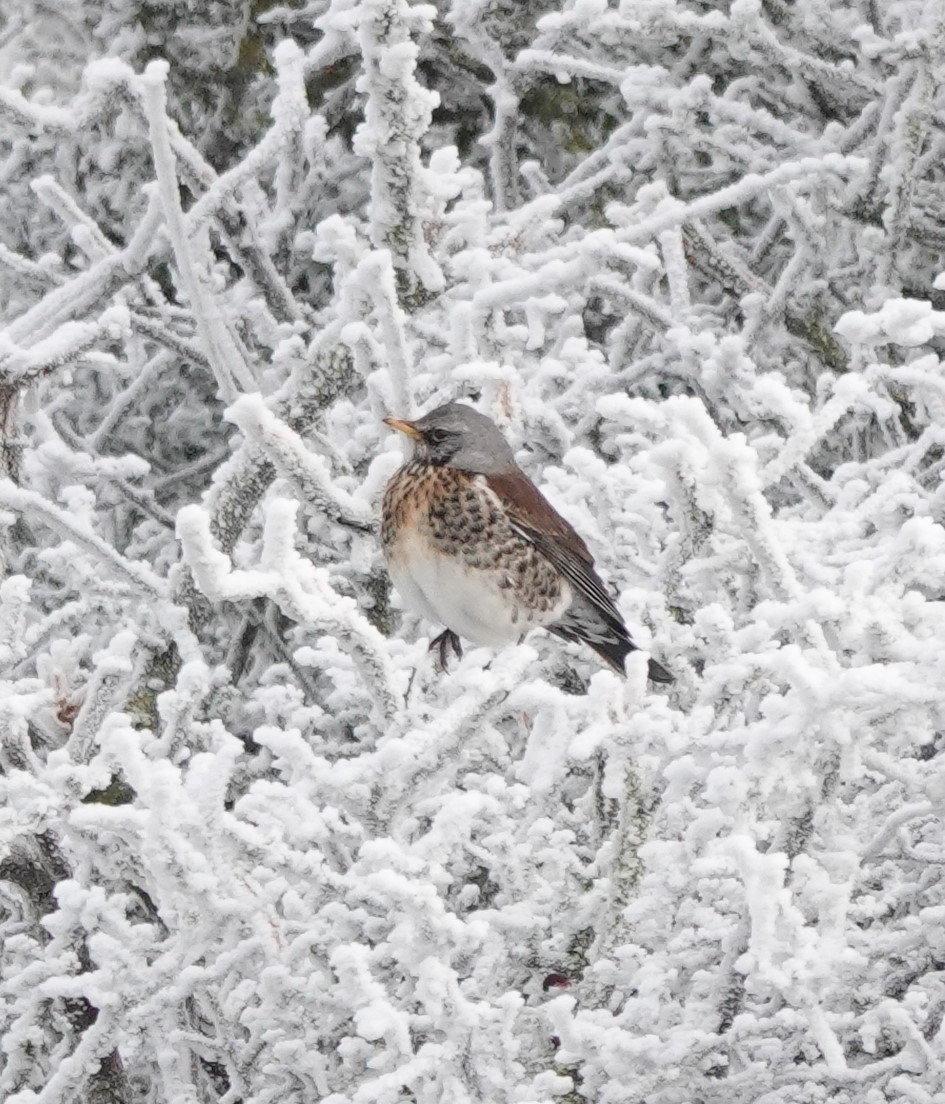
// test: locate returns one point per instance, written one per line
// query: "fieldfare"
(471, 543)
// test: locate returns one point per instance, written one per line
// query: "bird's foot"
(442, 645)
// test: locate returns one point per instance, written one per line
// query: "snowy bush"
(253, 847)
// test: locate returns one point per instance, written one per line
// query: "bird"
(471, 543)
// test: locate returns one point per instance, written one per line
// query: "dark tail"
(614, 652)
(658, 673)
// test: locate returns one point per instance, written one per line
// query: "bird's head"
(457, 436)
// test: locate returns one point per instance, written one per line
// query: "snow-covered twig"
(396, 117)
(299, 464)
(83, 293)
(232, 373)
(63, 346)
(300, 589)
(133, 573)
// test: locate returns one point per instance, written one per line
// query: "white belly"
(468, 601)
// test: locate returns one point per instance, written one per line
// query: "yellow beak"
(404, 427)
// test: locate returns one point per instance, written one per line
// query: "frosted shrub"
(253, 847)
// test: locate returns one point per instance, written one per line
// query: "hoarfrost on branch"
(253, 847)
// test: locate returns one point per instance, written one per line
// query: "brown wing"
(593, 617)
(541, 524)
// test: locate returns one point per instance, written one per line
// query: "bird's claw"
(442, 645)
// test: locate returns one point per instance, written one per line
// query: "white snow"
(253, 845)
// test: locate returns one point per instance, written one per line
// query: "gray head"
(457, 436)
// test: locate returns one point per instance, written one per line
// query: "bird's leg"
(442, 645)
(413, 675)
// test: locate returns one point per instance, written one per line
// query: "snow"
(253, 845)
(908, 322)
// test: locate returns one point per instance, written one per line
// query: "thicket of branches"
(252, 846)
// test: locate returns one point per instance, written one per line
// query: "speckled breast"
(454, 514)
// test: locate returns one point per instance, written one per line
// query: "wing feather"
(593, 617)
(533, 516)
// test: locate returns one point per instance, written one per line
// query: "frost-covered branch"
(298, 463)
(301, 590)
(92, 288)
(134, 574)
(64, 346)
(396, 118)
(254, 846)
(233, 374)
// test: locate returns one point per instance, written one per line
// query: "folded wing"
(593, 618)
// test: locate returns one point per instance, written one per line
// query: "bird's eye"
(437, 436)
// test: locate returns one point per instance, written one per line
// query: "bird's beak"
(404, 427)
